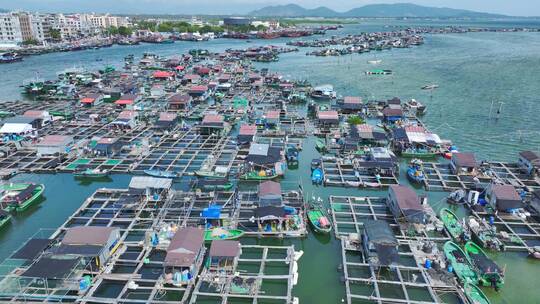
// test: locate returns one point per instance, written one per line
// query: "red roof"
(203, 71)
(248, 130)
(212, 118)
(418, 129)
(180, 68)
(88, 100)
(328, 115)
(199, 88)
(167, 116)
(272, 114)
(126, 99)
(192, 77)
(352, 100)
(162, 74)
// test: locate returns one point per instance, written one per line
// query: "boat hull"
(27, 203)
(232, 234)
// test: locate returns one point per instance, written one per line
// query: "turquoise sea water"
(473, 70)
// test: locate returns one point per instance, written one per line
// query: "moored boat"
(91, 173)
(460, 263)
(222, 234)
(213, 184)
(415, 172)
(5, 218)
(453, 226)
(379, 72)
(317, 217)
(161, 173)
(320, 145)
(430, 86)
(490, 274)
(317, 176)
(324, 92)
(20, 196)
(475, 294)
(258, 175)
(416, 106)
(484, 234)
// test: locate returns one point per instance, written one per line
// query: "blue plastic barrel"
(428, 264)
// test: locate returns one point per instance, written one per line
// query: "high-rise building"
(10, 29)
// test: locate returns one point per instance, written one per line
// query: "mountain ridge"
(395, 10)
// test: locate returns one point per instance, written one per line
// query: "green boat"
(319, 221)
(5, 218)
(214, 184)
(475, 294)
(320, 145)
(453, 225)
(258, 176)
(461, 264)
(490, 273)
(91, 173)
(19, 197)
(222, 234)
(419, 154)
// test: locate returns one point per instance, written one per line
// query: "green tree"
(112, 31)
(30, 41)
(125, 31)
(55, 34)
(355, 120)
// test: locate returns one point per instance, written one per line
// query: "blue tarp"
(212, 212)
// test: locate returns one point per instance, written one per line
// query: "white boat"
(430, 87)
(323, 92)
(376, 61)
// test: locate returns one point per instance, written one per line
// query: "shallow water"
(473, 70)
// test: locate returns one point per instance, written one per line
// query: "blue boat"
(317, 176)
(161, 173)
(415, 172)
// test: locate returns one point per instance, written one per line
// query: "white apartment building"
(10, 29)
(105, 21)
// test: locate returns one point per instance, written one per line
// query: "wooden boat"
(19, 197)
(418, 154)
(317, 176)
(415, 172)
(379, 72)
(460, 263)
(490, 274)
(258, 176)
(5, 218)
(475, 294)
(318, 220)
(320, 145)
(484, 234)
(222, 234)
(91, 173)
(212, 184)
(453, 226)
(161, 173)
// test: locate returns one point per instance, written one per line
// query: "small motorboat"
(475, 294)
(317, 176)
(415, 172)
(461, 264)
(379, 72)
(430, 87)
(457, 197)
(375, 61)
(324, 92)
(91, 173)
(453, 225)
(219, 233)
(318, 219)
(161, 173)
(416, 106)
(490, 274)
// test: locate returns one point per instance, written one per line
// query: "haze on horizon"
(511, 8)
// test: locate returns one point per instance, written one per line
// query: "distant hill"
(372, 10)
(294, 10)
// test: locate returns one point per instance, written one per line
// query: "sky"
(506, 7)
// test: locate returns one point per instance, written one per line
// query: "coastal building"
(463, 164)
(10, 30)
(503, 197)
(270, 194)
(184, 251)
(107, 146)
(180, 101)
(54, 144)
(223, 254)
(246, 133)
(529, 162)
(236, 21)
(379, 243)
(405, 204)
(166, 121)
